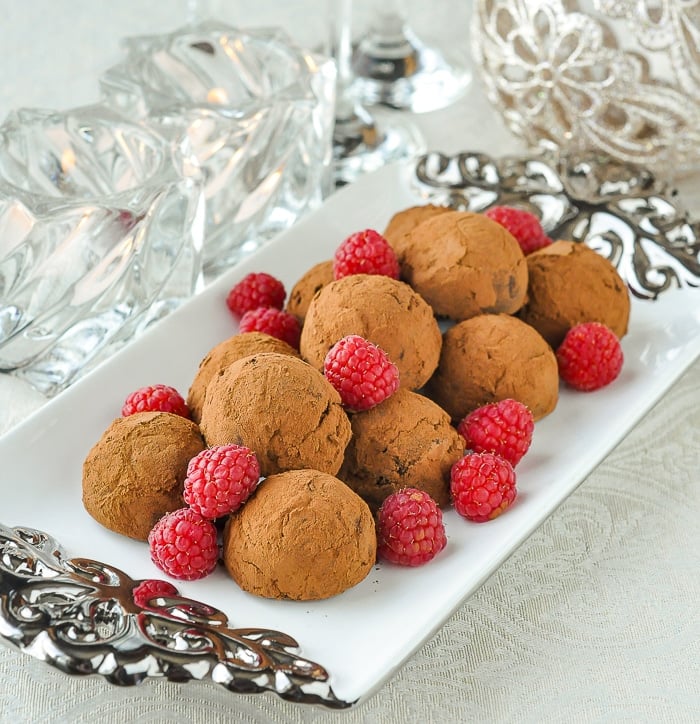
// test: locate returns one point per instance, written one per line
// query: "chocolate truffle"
(226, 353)
(281, 408)
(490, 358)
(134, 474)
(303, 535)
(571, 283)
(385, 311)
(306, 287)
(464, 264)
(405, 221)
(406, 441)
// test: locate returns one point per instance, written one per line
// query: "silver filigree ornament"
(80, 616)
(622, 211)
(617, 76)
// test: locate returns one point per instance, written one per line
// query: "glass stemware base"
(402, 72)
(364, 142)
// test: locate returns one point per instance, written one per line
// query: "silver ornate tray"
(82, 617)
(625, 213)
(79, 615)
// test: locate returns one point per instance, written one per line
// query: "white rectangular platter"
(365, 634)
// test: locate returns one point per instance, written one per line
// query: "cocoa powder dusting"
(282, 409)
(492, 357)
(570, 283)
(403, 222)
(307, 287)
(407, 441)
(464, 264)
(226, 353)
(386, 312)
(134, 474)
(303, 535)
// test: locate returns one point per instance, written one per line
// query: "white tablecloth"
(594, 618)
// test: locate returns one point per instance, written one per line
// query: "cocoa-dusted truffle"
(464, 264)
(385, 311)
(404, 221)
(304, 535)
(406, 441)
(134, 474)
(571, 283)
(282, 409)
(490, 358)
(306, 287)
(226, 353)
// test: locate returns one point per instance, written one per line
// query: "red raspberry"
(365, 252)
(151, 588)
(523, 225)
(410, 531)
(482, 486)
(220, 479)
(156, 398)
(256, 289)
(362, 373)
(590, 356)
(183, 545)
(274, 322)
(503, 427)
(127, 220)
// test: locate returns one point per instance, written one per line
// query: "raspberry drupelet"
(220, 479)
(361, 372)
(503, 427)
(257, 289)
(524, 226)
(410, 531)
(274, 322)
(482, 486)
(590, 357)
(156, 398)
(183, 544)
(365, 252)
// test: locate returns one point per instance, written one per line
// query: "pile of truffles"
(470, 320)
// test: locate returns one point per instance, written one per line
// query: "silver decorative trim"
(622, 211)
(80, 616)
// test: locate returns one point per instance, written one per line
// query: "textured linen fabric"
(594, 618)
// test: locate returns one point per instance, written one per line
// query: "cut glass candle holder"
(252, 115)
(100, 235)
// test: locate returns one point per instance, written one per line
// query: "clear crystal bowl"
(252, 115)
(620, 77)
(100, 235)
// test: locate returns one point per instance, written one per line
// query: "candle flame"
(67, 160)
(217, 95)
